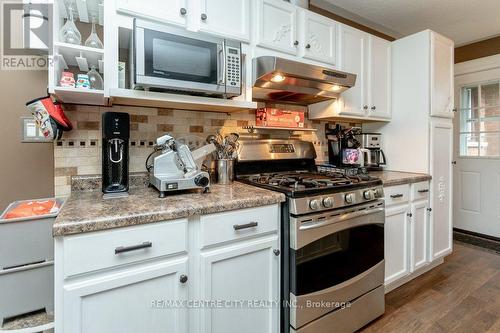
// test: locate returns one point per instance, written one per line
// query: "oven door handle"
(344, 217)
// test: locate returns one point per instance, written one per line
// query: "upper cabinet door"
(173, 11)
(352, 59)
(379, 70)
(442, 53)
(320, 36)
(277, 26)
(228, 18)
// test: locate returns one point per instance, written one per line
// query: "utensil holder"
(225, 171)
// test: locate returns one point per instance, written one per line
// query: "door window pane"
(480, 120)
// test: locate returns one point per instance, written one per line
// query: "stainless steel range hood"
(281, 80)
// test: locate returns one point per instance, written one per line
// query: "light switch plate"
(31, 132)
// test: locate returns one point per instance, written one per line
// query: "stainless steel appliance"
(178, 168)
(332, 233)
(371, 144)
(174, 59)
(282, 80)
(115, 136)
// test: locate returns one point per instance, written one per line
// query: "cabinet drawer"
(420, 190)
(233, 225)
(396, 194)
(100, 250)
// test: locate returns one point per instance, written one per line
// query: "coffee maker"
(371, 145)
(343, 146)
(115, 137)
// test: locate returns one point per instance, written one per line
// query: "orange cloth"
(32, 208)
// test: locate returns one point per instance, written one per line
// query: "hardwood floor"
(461, 295)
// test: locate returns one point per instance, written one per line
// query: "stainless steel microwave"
(173, 59)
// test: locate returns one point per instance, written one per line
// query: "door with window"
(477, 168)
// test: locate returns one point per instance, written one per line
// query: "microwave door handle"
(222, 65)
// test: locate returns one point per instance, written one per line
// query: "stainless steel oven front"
(337, 268)
(174, 59)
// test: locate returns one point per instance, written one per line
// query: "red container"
(272, 117)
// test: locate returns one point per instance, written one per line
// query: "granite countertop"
(392, 178)
(87, 211)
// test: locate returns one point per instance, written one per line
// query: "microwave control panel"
(233, 68)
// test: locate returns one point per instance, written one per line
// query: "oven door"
(174, 59)
(335, 258)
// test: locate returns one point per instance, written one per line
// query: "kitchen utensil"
(69, 32)
(225, 171)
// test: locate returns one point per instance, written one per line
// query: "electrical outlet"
(31, 132)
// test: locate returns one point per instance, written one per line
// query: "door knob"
(183, 278)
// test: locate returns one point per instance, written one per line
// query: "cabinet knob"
(296, 43)
(374, 108)
(409, 214)
(365, 107)
(429, 209)
(276, 252)
(183, 11)
(183, 278)
(203, 17)
(308, 46)
(454, 162)
(454, 110)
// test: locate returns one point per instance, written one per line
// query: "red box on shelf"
(272, 117)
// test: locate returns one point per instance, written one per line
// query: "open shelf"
(177, 101)
(80, 96)
(75, 55)
(290, 129)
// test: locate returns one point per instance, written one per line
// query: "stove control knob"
(369, 195)
(349, 198)
(328, 202)
(379, 193)
(314, 204)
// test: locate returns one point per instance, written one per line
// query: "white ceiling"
(464, 21)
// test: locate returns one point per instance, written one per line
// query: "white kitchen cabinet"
(419, 244)
(379, 78)
(442, 60)
(229, 18)
(246, 271)
(441, 143)
(397, 264)
(320, 38)
(172, 11)
(277, 26)
(353, 46)
(125, 302)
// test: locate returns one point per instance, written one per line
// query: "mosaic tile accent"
(79, 151)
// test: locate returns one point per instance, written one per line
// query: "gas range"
(332, 235)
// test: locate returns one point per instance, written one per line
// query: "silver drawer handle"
(245, 226)
(423, 191)
(394, 196)
(122, 249)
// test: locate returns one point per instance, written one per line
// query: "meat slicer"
(178, 168)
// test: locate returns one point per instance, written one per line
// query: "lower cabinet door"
(396, 243)
(242, 281)
(143, 299)
(419, 234)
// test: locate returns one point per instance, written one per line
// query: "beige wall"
(26, 169)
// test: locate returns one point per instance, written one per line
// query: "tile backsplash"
(79, 151)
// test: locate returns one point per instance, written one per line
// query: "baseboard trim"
(490, 243)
